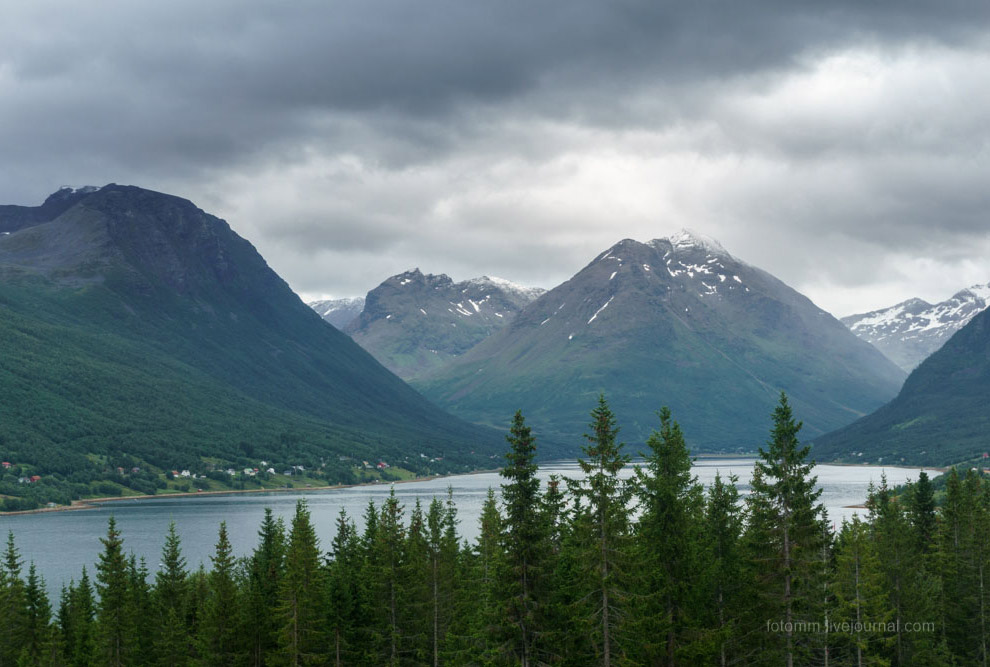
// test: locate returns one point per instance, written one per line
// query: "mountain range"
(911, 331)
(133, 324)
(415, 323)
(939, 417)
(677, 322)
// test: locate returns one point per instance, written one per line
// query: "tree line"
(652, 569)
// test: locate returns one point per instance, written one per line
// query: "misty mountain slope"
(339, 312)
(911, 331)
(940, 416)
(677, 322)
(414, 323)
(136, 322)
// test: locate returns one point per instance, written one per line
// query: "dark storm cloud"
(207, 83)
(349, 139)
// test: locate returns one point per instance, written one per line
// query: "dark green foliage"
(266, 569)
(116, 632)
(137, 331)
(912, 591)
(603, 537)
(723, 529)
(784, 541)
(218, 636)
(343, 571)
(170, 595)
(301, 594)
(668, 548)
(921, 511)
(862, 610)
(525, 546)
(79, 624)
(687, 578)
(13, 621)
(39, 638)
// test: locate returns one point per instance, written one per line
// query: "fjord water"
(60, 543)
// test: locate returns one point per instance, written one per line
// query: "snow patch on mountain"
(910, 331)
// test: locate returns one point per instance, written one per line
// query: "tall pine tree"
(301, 594)
(606, 533)
(218, 627)
(784, 540)
(668, 548)
(525, 545)
(117, 634)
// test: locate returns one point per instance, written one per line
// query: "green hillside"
(134, 328)
(940, 417)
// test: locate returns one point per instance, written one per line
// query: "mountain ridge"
(157, 277)
(910, 331)
(938, 417)
(414, 322)
(676, 321)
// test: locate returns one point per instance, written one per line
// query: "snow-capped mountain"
(675, 321)
(911, 331)
(339, 312)
(414, 322)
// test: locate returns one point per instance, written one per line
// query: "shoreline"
(93, 503)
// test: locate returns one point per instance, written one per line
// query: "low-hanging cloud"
(351, 140)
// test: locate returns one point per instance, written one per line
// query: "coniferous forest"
(648, 570)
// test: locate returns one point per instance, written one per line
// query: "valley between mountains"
(145, 347)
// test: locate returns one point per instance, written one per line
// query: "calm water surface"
(60, 543)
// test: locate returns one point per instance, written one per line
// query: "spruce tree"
(415, 593)
(667, 547)
(440, 577)
(82, 629)
(784, 541)
(963, 558)
(264, 577)
(170, 598)
(862, 611)
(218, 627)
(139, 606)
(606, 538)
(723, 529)
(386, 581)
(117, 641)
(483, 610)
(342, 574)
(301, 593)
(525, 545)
(921, 510)
(39, 641)
(912, 592)
(13, 604)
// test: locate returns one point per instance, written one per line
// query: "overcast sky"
(842, 146)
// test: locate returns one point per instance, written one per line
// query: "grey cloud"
(350, 140)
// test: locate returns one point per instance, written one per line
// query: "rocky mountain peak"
(910, 331)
